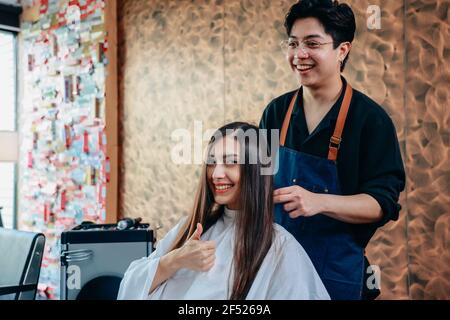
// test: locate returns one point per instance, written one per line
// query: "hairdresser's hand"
(298, 201)
(196, 254)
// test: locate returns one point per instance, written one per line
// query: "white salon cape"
(285, 273)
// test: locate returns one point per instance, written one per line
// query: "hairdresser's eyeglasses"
(292, 45)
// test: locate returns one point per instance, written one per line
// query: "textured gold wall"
(427, 148)
(218, 61)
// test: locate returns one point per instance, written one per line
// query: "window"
(8, 194)
(8, 81)
(8, 128)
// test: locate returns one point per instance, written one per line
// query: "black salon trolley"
(94, 258)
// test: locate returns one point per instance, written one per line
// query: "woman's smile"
(221, 188)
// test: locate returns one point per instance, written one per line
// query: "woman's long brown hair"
(254, 220)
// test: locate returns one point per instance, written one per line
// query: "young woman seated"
(229, 247)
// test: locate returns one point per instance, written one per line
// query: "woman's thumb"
(198, 232)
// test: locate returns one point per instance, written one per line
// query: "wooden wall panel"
(111, 112)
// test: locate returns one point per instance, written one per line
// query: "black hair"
(337, 19)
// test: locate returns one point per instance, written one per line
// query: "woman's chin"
(223, 201)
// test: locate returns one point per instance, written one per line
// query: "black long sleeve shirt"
(369, 159)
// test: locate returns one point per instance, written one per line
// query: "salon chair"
(20, 263)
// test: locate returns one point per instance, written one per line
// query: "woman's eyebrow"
(230, 155)
(225, 156)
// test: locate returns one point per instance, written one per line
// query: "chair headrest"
(16, 249)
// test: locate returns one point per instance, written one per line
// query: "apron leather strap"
(287, 119)
(335, 140)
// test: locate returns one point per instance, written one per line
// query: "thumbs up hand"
(197, 233)
(196, 254)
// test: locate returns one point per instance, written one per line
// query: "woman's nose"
(218, 172)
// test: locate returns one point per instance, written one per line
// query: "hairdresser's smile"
(304, 68)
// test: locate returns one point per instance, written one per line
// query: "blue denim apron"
(330, 243)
